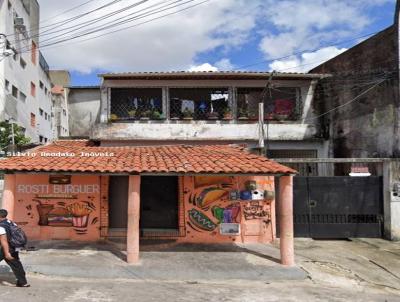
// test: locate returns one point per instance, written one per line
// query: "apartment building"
(25, 85)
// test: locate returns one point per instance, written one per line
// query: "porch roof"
(83, 156)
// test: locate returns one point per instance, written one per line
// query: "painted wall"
(58, 211)
(208, 207)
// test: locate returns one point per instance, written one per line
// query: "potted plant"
(281, 116)
(132, 113)
(145, 116)
(113, 117)
(227, 114)
(187, 114)
(243, 114)
(213, 115)
(156, 115)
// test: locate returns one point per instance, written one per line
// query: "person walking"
(10, 253)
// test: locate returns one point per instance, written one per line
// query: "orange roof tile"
(83, 156)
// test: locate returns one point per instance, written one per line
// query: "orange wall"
(58, 211)
(207, 204)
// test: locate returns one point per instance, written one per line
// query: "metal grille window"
(200, 104)
(136, 104)
(282, 103)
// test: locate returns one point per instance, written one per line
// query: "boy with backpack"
(12, 239)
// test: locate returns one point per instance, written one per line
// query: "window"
(15, 56)
(14, 91)
(136, 103)
(45, 116)
(22, 97)
(34, 53)
(22, 62)
(41, 139)
(33, 120)
(199, 103)
(64, 112)
(45, 90)
(9, 6)
(46, 139)
(7, 85)
(40, 111)
(33, 89)
(279, 104)
(41, 85)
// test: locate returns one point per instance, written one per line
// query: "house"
(156, 108)
(25, 86)
(77, 190)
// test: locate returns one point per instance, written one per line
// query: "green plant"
(113, 117)
(156, 115)
(187, 113)
(132, 113)
(243, 113)
(227, 112)
(146, 114)
(6, 136)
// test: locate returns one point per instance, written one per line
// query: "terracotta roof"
(180, 159)
(57, 89)
(245, 75)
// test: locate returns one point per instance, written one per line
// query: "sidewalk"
(159, 261)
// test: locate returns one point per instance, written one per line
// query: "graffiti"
(226, 215)
(255, 210)
(209, 196)
(201, 221)
(204, 181)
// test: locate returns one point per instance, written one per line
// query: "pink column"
(9, 194)
(133, 220)
(286, 220)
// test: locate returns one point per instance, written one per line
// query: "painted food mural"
(210, 205)
(58, 204)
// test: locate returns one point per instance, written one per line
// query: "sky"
(153, 35)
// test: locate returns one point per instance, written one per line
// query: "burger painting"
(66, 215)
(59, 217)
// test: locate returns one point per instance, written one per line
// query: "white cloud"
(166, 44)
(224, 64)
(305, 25)
(203, 67)
(306, 61)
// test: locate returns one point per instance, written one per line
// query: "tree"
(6, 136)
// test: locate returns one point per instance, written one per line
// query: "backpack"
(15, 235)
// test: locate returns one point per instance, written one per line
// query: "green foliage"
(6, 136)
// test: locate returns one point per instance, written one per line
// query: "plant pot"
(144, 118)
(281, 117)
(243, 118)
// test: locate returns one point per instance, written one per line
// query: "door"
(159, 202)
(338, 207)
(118, 202)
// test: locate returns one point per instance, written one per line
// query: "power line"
(124, 28)
(347, 103)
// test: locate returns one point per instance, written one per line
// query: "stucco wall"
(58, 211)
(84, 110)
(207, 207)
(368, 127)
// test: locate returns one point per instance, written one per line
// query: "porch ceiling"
(81, 156)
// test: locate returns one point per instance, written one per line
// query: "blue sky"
(219, 35)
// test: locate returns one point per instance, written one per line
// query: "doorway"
(118, 202)
(159, 203)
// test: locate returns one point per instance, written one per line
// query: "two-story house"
(159, 108)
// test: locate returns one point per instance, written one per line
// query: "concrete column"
(133, 232)
(9, 194)
(286, 220)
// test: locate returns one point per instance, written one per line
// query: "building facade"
(211, 107)
(25, 86)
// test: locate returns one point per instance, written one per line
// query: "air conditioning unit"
(19, 24)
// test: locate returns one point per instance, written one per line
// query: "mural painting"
(220, 207)
(60, 204)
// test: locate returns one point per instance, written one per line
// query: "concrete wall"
(60, 77)
(84, 110)
(368, 127)
(199, 131)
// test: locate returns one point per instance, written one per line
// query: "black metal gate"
(338, 207)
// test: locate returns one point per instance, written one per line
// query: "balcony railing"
(206, 104)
